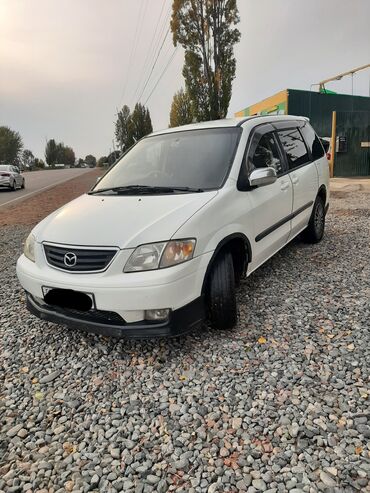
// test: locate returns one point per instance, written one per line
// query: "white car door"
(302, 172)
(270, 206)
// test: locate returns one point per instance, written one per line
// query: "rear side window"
(294, 147)
(312, 141)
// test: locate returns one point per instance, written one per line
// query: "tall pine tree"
(131, 127)
(206, 30)
(181, 109)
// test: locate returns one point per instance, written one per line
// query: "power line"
(160, 45)
(151, 50)
(133, 48)
(162, 74)
(154, 64)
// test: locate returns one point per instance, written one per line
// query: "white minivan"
(162, 240)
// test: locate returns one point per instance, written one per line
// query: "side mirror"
(262, 176)
(98, 179)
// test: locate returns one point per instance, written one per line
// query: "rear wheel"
(13, 186)
(221, 299)
(316, 225)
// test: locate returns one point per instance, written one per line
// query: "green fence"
(353, 128)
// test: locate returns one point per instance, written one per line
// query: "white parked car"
(162, 240)
(11, 177)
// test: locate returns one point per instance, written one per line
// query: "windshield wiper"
(184, 189)
(145, 189)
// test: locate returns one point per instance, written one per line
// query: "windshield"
(4, 167)
(193, 160)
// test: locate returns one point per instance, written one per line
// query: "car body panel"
(123, 221)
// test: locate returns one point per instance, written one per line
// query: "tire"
(316, 225)
(13, 186)
(221, 299)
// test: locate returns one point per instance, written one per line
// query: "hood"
(119, 220)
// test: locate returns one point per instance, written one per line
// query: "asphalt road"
(36, 181)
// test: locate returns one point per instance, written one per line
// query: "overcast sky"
(66, 65)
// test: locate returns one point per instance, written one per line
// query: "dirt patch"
(351, 212)
(34, 209)
(338, 194)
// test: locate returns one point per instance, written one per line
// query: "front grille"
(78, 259)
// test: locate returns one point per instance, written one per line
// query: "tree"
(90, 160)
(122, 132)
(140, 124)
(205, 29)
(28, 159)
(102, 161)
(113, 156)
(181, 110)
(39, 163)
(10, 146)
(60, 153)
(131, 127)
(52, 151)
(68, 156)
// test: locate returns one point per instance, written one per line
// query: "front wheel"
(221, 299)
(316, 225)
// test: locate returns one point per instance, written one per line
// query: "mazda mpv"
(161, 242)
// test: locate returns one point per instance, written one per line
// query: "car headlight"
(29, 247)
(160, 255)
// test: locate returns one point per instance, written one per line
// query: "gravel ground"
(279, 404)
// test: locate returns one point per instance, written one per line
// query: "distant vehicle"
(11, 177)
(163, 238)
(59, 165)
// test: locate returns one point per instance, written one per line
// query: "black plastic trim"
(282, 221)
(181, 321)
(222, 244)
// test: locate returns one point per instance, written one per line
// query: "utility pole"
(333, 143)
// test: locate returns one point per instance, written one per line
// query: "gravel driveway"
(279, 404)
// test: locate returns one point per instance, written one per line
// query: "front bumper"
(128, 295)
(180, 322)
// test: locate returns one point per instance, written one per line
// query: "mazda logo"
(70, 259)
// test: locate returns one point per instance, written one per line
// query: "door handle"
(284, 185)
(295, 179)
